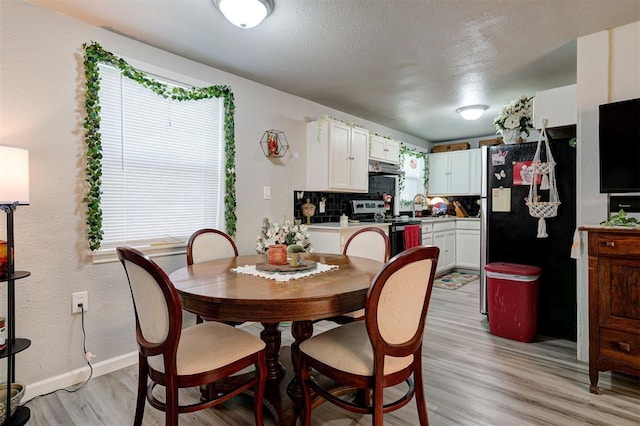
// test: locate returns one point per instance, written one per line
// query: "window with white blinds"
(413, 168)
(162, 165)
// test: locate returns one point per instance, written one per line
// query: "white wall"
(41, 107)
(608, 71)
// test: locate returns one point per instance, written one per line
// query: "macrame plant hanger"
(545, 171)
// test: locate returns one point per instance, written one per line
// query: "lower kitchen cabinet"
(444, 237)
(468, 244)
(458, 240)
(331, 238)
(427, 234)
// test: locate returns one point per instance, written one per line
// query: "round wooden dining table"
(214, 291)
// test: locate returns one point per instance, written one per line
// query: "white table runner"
(283, 276)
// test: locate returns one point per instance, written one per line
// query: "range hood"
(380, 168)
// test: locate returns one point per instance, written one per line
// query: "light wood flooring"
(471, 378)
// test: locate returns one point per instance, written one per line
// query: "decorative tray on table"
(303, 265)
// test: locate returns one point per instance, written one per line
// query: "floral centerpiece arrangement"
(288, 233)
(515, 119)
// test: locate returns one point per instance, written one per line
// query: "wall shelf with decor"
(274, 144)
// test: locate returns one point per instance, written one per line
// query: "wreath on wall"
(404, 151)
(95, 54)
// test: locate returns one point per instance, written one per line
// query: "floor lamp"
(14, 191)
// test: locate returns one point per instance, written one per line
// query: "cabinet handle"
(624, 346)
(609, 243)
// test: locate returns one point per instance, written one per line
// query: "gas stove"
(374, 211)
(363, 209)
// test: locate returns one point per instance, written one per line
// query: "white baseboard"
(78, 376)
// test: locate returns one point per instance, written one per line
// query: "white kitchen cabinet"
(427, 234)
(337, 157)
(444, 236)
(383, 149)
(558, 106)
(331, 238)
(452, 173)
(475, 172)
(438, 173)
(468, 244)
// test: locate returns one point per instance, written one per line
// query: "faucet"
(413, 202)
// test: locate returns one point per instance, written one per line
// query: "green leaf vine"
(95, 54)
(404, 151)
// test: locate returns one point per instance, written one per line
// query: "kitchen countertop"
(353, 225)
(446, 219)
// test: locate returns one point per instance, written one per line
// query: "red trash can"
(512, 295)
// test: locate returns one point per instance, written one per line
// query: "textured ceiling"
(405, 64)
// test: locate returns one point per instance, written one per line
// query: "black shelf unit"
(14, 346)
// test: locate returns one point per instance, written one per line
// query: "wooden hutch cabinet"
(614, 301)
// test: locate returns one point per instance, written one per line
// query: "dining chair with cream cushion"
(177, 358)
(372, 243)
(210, 244)
(383, 350)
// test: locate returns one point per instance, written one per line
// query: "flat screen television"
(620, 146)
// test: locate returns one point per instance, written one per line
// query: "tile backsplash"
(337, 203)
(470, 204)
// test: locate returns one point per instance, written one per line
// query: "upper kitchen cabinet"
(383, 149)
(560, 108)
(337, 157)
(454, 173)
(475, 172)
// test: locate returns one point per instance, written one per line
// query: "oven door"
(396, 235)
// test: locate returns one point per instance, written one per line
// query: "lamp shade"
(14, 175)
(245, 13)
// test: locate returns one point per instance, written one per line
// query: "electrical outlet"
(267, 192)
(77, 299)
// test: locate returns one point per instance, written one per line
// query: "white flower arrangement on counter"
(516, 116)
(290, 232)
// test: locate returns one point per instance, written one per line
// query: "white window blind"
(162, 165)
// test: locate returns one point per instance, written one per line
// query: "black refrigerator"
(509, 232)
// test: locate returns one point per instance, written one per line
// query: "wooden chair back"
(210, 244)
(383, 350)
(176, 358)
(370, 242)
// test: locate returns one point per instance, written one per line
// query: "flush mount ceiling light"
(472, 112)
(244, 13)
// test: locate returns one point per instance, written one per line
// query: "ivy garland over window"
(404, 150)
(94, 54)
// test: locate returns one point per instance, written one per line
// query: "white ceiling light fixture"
(244, 13)
(472, 112)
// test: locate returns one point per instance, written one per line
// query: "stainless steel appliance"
(509, 233)
(374, 211)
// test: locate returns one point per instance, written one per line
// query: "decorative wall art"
(523, 173)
